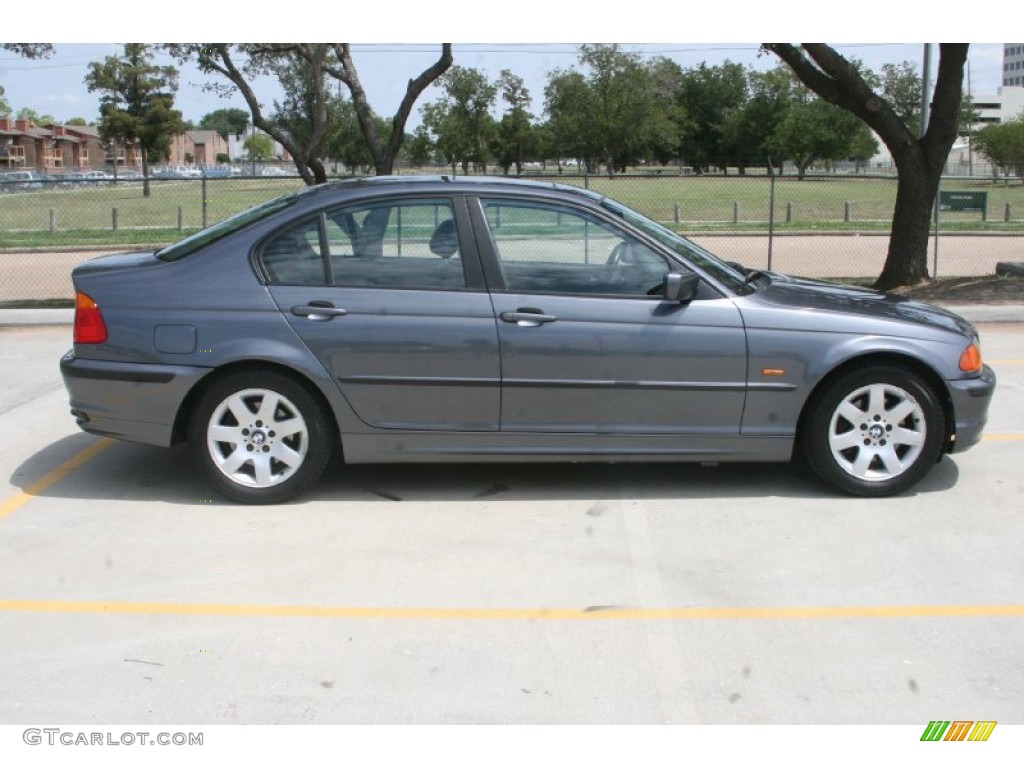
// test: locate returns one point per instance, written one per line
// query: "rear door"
(389, 296)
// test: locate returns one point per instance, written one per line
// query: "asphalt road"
(507, 594)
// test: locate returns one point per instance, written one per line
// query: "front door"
(588, 345)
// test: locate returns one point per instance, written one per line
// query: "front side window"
(549, 248)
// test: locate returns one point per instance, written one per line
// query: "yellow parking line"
(1005, 362)
(597, 613)
(52, 477)
(1002, 438)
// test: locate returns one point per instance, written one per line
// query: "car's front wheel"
(874, 431)
(259, 437)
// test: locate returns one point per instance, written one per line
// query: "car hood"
(851, 308)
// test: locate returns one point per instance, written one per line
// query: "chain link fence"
(826, 226)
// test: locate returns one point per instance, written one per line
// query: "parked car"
(414, 319)
(21, 181)
(93, 179)
(72, 179)
(177, 172)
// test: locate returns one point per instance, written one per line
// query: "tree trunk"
(919, 161)
(384, 164)
(145, 170)
(906, 262)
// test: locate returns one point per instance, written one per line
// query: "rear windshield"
(193, 243)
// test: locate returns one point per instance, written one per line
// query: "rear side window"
(396, 244)
(294, 256)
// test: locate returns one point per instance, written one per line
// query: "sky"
(56, 86)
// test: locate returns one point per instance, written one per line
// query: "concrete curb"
(36, 317)
(975, 313)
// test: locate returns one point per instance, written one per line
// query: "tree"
(461, 120)
(137, 103)
(514, 140)
(1003, 144)
(258, 147)
(345, 140)
(420, 147)
(901, 87)
(226, 122)
(27, 113)
(76, 121)
(610, 114)
(919, 160)
(568, 132)
(709, 96)
(815, 130)
(752, 130)
(240, 63)
(5, 107)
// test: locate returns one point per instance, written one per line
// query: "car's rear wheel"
(874, 431)
(259, 437)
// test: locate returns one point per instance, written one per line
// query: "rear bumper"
(971, 398)
(127, 401)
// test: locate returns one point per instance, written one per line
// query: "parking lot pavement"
(507, 594)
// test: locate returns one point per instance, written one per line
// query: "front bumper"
(127, 401)
(970, 398)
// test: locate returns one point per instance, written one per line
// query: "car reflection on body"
(419, 319)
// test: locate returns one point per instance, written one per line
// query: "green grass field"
(84, 217)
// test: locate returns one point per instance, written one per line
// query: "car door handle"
(318, 310)
(527, 317)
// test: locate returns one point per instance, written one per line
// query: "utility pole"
(926, 87)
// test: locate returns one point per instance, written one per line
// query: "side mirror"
(680, 287)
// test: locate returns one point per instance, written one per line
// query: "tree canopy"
(137, 102)
(313, 64)
(1003, 144)
(461, 119)
(226, 122)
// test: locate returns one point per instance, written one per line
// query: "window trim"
(492, 262)
(472, 272)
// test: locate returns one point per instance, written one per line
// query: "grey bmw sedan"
(427, 319)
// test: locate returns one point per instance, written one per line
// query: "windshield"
(193, 243)
(708, 262)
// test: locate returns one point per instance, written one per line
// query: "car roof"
(450, 184)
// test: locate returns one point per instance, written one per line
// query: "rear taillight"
(89, 325)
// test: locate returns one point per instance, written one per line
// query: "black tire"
(259, 437)
(874, 431)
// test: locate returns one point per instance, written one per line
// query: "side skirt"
(465, 447)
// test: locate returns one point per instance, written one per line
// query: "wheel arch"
(927, 373)
(179, 433)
